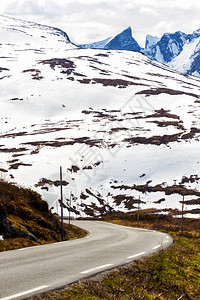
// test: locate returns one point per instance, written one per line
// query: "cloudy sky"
(92, 20)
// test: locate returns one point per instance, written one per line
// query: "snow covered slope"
(19, 32)
(96, 45)
(188, 61)
(124, 128)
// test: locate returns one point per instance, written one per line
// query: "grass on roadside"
(168, 275)
(34, 224)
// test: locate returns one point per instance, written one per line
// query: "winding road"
(29, 271)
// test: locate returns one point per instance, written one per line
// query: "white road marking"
(95, 269)
(27, 248)
(57, 243)
(25, 293)
(135, 255)
(89, 234)
(156, 247)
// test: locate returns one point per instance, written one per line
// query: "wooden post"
(61, 204)
(70, 205)
(182, 215)
(138, 211)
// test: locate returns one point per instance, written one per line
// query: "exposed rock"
(8, 230)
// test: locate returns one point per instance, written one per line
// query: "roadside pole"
(182, 214)
(70, 206)
(138, 212)
(61, 204)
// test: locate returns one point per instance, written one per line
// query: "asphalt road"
(29, 271)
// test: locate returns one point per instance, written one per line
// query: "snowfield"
(124, 128)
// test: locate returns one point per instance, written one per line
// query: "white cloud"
(87, 20)
(148, 11)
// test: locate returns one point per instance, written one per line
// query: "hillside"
(25, 219)
(125, 128)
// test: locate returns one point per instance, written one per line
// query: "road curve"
(29, 271)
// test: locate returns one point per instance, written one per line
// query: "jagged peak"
(151, 41)
(124, 41)
(127, 31)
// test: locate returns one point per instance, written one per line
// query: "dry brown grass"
(26, 210)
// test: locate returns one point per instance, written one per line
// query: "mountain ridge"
(169, 49)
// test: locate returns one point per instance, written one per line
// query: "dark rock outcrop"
(8, 230)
